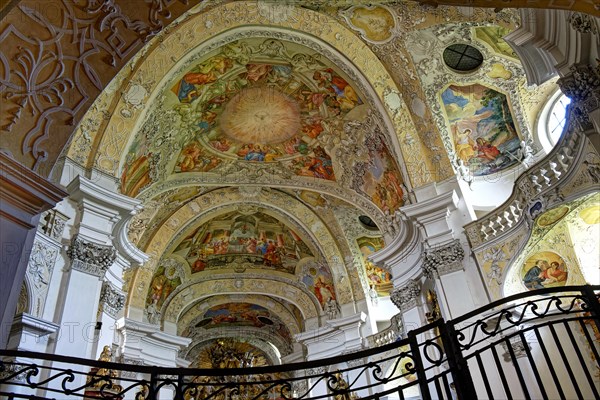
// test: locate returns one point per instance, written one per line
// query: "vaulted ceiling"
(270, 144)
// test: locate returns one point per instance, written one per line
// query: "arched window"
(553, 119)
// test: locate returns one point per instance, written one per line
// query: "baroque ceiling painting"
(482, 128)
(273, 150)
(252, 238)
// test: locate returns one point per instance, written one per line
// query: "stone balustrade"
(541, 178)
(389, 335)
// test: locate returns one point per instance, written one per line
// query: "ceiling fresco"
(261, 101)
(256, 136)
(484, 114)
(242, 314)
(245, 238)
(482, 128)
(493, 37)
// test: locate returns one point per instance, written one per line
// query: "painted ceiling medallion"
(376, 24)
(261, 115)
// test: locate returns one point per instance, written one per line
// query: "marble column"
(24, 195)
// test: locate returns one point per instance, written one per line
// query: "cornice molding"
(24, 193)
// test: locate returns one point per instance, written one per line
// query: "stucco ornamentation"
(443, 260)
(90, 257)
(407, 296)
(112, 300)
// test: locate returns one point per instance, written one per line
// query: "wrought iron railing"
(549, 339)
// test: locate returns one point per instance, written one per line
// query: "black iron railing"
(539, 344)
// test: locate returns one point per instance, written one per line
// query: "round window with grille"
(462, 57)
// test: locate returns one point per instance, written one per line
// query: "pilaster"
(24, 195)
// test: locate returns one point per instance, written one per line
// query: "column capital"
(582, 86)
(442, 260)
(112, 300)
(405, 297)
(90, 257)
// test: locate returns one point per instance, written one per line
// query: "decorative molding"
(407, 296)
(52, 224)
(583, 23)
(53, 57)
(582, 86)
(39, 271)
(112, 300)
(90, 257)
(443, 260)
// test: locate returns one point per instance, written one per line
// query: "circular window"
(552, 121)
(367, 222)
(462, 57)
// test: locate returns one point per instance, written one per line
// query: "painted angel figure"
(495, 273)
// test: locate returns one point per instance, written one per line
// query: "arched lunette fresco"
(182, 220)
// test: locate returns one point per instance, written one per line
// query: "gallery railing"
(538, 344)
(542, 177)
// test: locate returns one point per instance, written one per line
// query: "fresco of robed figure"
(544, 269)
(482, 128)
